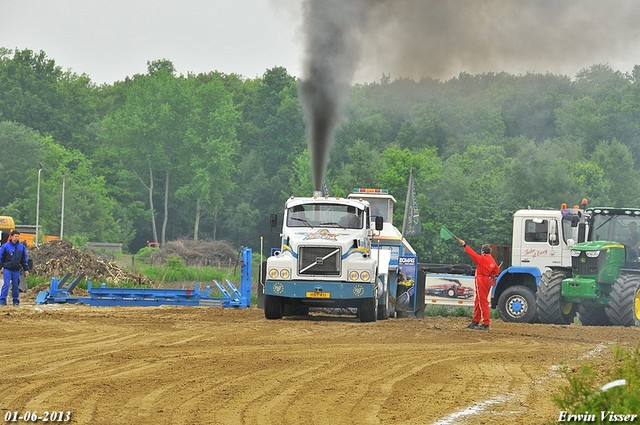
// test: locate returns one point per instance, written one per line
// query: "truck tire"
(273, 307)
(368, 310)
(551, 308)
(384, 309)
(593, 315)
(624, 301)
(517, 304)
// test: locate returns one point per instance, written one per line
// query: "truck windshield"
(325, 215)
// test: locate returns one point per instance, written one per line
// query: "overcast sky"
(112, 39)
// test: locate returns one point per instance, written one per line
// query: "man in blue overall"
(13, 257)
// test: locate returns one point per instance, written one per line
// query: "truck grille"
(586, 266)
(311, 260)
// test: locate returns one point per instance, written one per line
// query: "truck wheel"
(368, 310)
(384, 309)
(593, 315)
(517, 304)
(624, 301)
(273, 307)
(551, 308)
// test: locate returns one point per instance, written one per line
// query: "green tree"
(36, 92)
(149, 131)
(211, 146)
(90, 213)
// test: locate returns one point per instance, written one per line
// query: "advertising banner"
(449, 289)
(406, 289)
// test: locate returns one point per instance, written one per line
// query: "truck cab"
(541, 241)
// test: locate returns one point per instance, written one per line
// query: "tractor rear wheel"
(517, 304)
(593, 315)
(551, 308)
(624, 301)
(273, 307)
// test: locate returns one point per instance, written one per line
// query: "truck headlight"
(284, 274)
(575, 253)
(592, 254)
(359, 275)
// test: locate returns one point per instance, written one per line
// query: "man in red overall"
(486, 271)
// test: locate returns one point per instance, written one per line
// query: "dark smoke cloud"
(347, 39)
(441, 38)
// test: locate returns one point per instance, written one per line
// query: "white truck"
(325, 259)
(541, 242)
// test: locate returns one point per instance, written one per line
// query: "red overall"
(486, 271)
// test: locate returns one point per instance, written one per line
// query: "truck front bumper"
(319, 290)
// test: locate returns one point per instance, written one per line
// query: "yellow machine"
(6, 226)
(27, 233)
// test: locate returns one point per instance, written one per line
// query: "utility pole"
(38, 204)
(62, 210)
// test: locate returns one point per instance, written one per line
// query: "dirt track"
(198, 365)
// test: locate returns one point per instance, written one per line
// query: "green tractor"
(603, 285)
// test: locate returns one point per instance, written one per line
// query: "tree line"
(160, 156)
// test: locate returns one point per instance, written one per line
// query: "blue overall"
(13, 257)
(10, 278)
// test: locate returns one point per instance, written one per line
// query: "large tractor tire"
(517, 304)
(624, 301)
(368, 310)
(551, 308)
(273, 307)
(593, 315)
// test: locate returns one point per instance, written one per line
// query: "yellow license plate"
(318, 294)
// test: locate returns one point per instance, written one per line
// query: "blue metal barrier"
(143, 297)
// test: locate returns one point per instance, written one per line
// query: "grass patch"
(448, 311)
(176, 271)
(583, 392)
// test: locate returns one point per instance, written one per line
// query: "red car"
(455, 289)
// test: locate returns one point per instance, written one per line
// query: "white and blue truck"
(542, 241)
(337, 253)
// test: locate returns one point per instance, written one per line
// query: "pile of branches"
(199, 253)
(57, 258)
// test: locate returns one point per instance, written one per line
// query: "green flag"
(446, 234)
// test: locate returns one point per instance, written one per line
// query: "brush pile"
(57, 258)
(199, 253)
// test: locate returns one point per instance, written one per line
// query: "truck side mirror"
(274, 219)
(379, 223)
(582, 233)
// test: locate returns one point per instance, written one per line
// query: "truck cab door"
(538, 243)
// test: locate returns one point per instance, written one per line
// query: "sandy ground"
(199, 365)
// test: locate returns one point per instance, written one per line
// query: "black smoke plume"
(333, 31)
